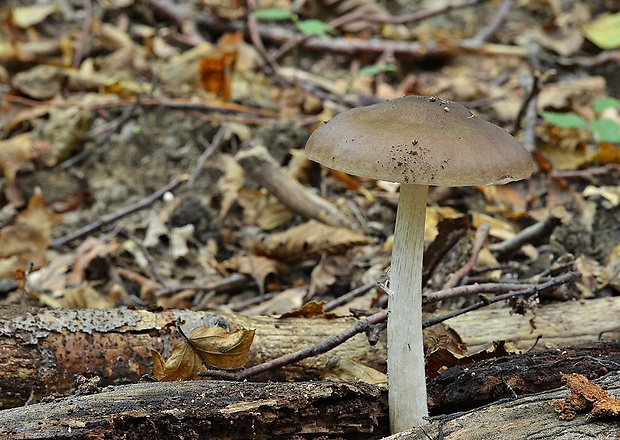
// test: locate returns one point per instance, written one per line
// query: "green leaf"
(274, 14)
(317, 28)
(564, 120)
(606, 130)
(607, 102)
(375, 70)
(604, 31)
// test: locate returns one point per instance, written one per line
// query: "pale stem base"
(406, 374)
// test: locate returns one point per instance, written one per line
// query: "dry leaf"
(341, 369)
(85, 297)
(91, 249)
(215, 70)
(281, 303)
(229, 185)
(214, 346)
(26, 241)
(258, 267)
(310, 240)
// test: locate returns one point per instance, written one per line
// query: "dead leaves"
(26, 240)
(207, 347)
(309, 240)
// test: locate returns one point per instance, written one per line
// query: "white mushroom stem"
(406, 374)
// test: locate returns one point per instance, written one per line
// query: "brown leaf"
(342, 369)
(258, 267)
(214, 346)
(26, 240)
(310, 240)
(215, 71)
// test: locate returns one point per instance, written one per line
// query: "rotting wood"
(263, 167)
(558, 324)
(207, 410)
(41, 350)
(469, 386)
(524, 418)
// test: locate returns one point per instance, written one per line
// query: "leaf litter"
(65, 110)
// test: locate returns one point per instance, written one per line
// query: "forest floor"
(135, 179)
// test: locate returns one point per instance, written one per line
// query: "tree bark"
(42, 350)
(531, 417)
(207, 410)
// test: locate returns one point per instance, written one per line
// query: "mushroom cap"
(422, 140)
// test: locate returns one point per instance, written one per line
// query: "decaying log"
(462, 388)
(559, 325)
(263, 167)
(531, 417)
(207, 410)
(42, 350)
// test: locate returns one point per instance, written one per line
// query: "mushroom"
(417, 141)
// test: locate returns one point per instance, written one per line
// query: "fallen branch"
(263, 167)
(109, 218)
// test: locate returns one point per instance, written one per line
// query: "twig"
(88, 19)
(263, 167)
(530, 291)
(376, 46)
(331, 305)
(472, 289)
(314, 350)
(234, 282)
(481, 237)
(421, 15)
(212, 147)
(368, 323)
(299, 38)
(496, 23)
(252, 23)
(538, 230)
(109, 218)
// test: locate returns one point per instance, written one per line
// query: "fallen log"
(42, 350)
(207, 410)
(524, 418)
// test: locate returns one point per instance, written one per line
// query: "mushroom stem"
(406, 371)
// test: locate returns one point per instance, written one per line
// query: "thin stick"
(481, 237)
(216, 142)
(314, 350)
(371, 322)
(496, 23)
(331, 305)
(530, 291)
(537, 231)
(88, 19)
(109, 218)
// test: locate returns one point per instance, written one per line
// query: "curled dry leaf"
(341, 369)
(26, 241)
(211, 347)
(258, 267)
(309, 240)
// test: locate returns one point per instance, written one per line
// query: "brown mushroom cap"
(421, 140)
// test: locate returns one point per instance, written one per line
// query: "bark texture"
(42, 350)
(531, 417)
(207, 410)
